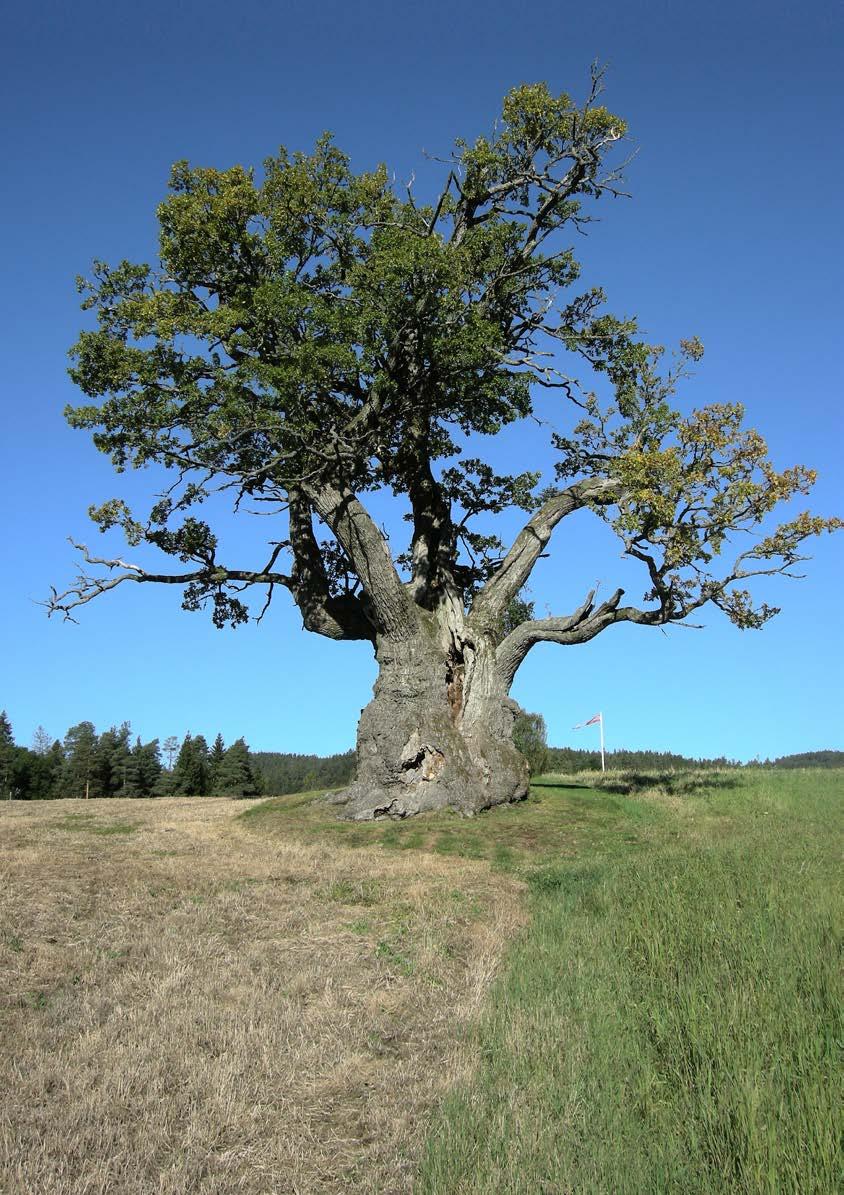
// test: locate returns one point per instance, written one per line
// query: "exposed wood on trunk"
(455, 672)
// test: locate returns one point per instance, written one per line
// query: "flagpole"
(603, 766)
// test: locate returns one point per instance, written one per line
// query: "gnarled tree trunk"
(438, 732)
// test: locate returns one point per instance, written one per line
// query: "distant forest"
(110, 764)
(284, 773)
(566, 759)
(812, 759)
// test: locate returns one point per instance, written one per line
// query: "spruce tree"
(200, 750)
(237, 774)
(41, 741)
(148, 765)
(215, 763)
(36, 774)
(132, 783)
(190, 775)
(54, 761)
(112, 761)
(165, 785)
(21, 777)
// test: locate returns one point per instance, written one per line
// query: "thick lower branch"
(341, 617)
(515, 569)
(335, 616)
(367, 549)
(88, 586)
(584, 624)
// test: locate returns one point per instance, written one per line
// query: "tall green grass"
(671, 1019)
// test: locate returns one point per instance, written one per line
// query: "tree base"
(425, 742)
(429, 783)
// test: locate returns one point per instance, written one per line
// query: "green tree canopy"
(79, 776)
(215, 763)
(7, 757)
(310, 328)
(530, 735)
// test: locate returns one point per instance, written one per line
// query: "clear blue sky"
(733, 233)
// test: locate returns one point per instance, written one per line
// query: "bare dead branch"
(89, 586)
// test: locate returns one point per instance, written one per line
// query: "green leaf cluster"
(689, 486)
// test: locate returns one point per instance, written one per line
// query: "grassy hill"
(626, 984)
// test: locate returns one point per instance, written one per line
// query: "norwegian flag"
(599, 720)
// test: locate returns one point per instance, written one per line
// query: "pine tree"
(171, 750)
(79, 778)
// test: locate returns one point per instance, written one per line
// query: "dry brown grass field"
(187, 1006)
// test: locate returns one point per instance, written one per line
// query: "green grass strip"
(671, 1020)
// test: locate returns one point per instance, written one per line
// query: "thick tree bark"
(437, 733)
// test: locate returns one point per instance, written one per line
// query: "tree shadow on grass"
(541, 782)
(630, 784)
(681, 785)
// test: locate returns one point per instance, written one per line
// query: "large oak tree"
(312, 336)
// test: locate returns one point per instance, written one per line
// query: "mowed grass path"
(671, 1018)
(187, 1006)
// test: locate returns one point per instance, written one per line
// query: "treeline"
(568, 759)
(811, 759)
(287, 773)
(88, 764)
(110, 764)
